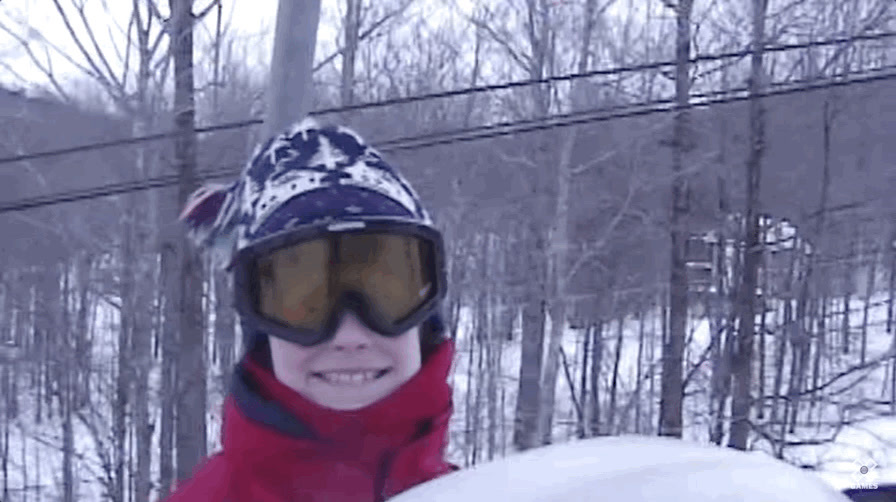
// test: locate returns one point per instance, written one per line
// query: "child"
(338, 276)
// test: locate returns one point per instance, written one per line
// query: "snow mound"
(629, 469)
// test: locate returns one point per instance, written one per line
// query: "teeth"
(349, 377)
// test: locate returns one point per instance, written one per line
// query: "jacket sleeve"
(210, 482)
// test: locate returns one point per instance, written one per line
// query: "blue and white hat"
(306, 176)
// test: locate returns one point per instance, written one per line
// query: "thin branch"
(523, 60)
(158, 41)
(154, 12)
(361, 37)
(51, 75)
(11, 70)
(37, 62)
(704, 356)
(581, 168)
(96, 70)
(204, 12)
(133, 24)
(608, 231)
(514, 159)
(847, 372)
(867, 25)
(98, 49)
(572, 387)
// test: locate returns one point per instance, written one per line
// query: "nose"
(351, 334)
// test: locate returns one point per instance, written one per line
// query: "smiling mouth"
(349, 378)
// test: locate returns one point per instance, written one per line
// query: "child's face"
(328, 375)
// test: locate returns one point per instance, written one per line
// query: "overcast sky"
(251, 19)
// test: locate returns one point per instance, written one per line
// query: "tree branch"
(204, 12)
(99, 51)
(599, 244)
(96, 70)
(523, 60)
(361, 37)
(47, 71)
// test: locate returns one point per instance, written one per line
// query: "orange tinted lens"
(293, 284)
(389, 269)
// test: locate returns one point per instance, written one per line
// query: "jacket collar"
(265, 417)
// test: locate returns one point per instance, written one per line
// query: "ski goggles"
(297, 285)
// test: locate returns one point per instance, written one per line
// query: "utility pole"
(295, 38)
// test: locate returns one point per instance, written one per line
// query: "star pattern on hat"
(307, 158)
(327, 156)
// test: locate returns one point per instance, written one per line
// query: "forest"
(662, 217)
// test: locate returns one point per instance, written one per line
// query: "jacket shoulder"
(210, 482)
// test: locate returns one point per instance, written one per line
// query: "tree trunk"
(559, 245)
(845, 317)
(869, 294)
(225, 334)
(597, 357)
(766, 299)
(351, 32)
(528, 394)
(468, 398)
(190, 428)
(583, 384)
(891, 287)
(168, 397)
(530, 421)
(560, 235)
(673, 346)
(743, 357)
(780, 355)
(721, 326)
(639, 370)
(614, 379)
(65, 390)
(4, 461)
(493, 347)
(9, 349)
(821, 342)
(125, 378)
(140, 335)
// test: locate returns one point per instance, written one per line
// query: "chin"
(355, 404)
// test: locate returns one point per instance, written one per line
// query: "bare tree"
(559, 235)
(190, 428)
(673, 347)
(742, 360)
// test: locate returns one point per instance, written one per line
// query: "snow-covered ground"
(630, 469)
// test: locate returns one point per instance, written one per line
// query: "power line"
(457, 136)
(447, 94)
(588, 116)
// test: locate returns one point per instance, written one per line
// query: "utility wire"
(446, 94)
(620, 111)
(457, 136)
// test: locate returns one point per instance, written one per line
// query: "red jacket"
(280, 447)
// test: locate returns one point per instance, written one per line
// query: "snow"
(631, 469)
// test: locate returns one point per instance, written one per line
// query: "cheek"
(289, 360)
(406, 352)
